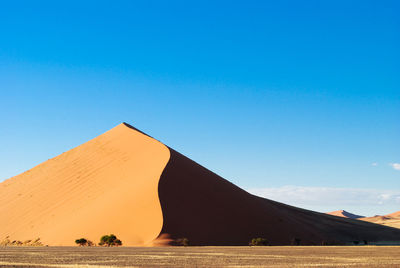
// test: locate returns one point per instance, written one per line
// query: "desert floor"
(327, 256)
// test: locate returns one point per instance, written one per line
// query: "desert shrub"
(81, 242)
(6, 241)
(182, 242)
(16, 243)
(36, 243)
(295, 241)
(258, 242)
(328, 243)
(110, 240)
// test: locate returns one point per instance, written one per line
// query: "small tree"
(109, 241)
(258, 242)
(81, 242)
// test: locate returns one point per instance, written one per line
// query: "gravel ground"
(301, 256)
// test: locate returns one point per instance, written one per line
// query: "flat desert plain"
(285, 256)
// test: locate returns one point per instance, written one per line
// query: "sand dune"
(392, 220)
(344, 214)
(107, 185)
(127, 183)
(394, 214)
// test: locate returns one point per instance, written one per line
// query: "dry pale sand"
(277, 257)
(107, 185)
(127, 183)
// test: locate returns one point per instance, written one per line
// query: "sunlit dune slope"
(394, 214)
(107, 185)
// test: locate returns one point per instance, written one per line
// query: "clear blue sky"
(268, 94)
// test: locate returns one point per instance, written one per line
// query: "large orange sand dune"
(107, 185)
(127, 183)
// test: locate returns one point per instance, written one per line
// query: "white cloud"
(395, 166)
(374, 164)
(329, 197)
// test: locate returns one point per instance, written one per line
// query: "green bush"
(258, 242)
(81, 242)
(109, 241)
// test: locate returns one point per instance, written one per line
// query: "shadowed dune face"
(208, 210)
(107, 185)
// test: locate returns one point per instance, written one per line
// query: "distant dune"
(394, 214)
(127, 183)
(344, 214)
(392, 220)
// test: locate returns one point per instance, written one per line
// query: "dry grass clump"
(28, 243)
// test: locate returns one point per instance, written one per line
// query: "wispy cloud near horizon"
(395, 166)
(330, 197)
